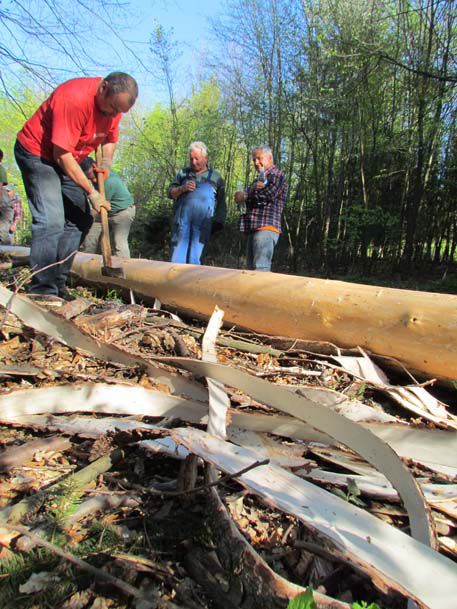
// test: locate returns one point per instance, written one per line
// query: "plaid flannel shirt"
(265, 205)
(11, 208)
(17, 210)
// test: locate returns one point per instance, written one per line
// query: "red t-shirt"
(69, 119)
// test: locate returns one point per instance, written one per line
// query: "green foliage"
(102, 538)
(15, 108)
(306, 601)
(13, 114)
(361, 391)
(63, 499)
(368, 148)
(352, 495)
(16, 570)
(303, 601)
(113, 294)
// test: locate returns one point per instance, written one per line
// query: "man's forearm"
(70, 167)
(108, 154)
(270, 192)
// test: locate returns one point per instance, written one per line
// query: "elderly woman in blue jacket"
(200, 209)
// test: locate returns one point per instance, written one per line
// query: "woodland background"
(357, 99)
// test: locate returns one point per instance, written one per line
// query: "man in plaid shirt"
(264, 203)
(10, 215)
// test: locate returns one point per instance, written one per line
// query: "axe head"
(113, 271)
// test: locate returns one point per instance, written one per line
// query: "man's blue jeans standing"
(192, 224)
(59, 220)
(261, 245)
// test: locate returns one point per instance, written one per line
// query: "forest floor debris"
(136, 517)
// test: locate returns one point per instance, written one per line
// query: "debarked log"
(16, 254)
(419, 329)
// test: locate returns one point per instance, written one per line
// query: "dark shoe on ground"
(66, 294)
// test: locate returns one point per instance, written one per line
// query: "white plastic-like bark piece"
(433, 447)
(219, 402)
(375, 451)
(69, 334)
(383, 552)
(414, 398)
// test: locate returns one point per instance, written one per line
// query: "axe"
(107, 269)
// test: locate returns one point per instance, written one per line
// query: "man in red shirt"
(78, 116)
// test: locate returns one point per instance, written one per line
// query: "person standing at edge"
(78, 116)
(3, 174)
(10, 215)
(264, 201)
(200, 208)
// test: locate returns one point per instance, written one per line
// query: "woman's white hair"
(200, 146)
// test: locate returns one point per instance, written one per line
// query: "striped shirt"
(265, 205)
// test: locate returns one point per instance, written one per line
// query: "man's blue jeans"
(261, 245)
(192, 224)
(60, 219)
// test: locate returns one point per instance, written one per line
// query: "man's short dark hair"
(87, 164)
(120, 82)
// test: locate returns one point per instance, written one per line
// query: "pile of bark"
(150, 461)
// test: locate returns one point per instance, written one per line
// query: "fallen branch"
(204, 487)
(235, 576)
(14, 513)
(238, 345)
(81, 564)
(17, 455)
(102, 502)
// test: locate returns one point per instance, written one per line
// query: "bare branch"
(451, 79)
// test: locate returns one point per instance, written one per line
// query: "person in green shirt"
(120, 216)
(3, 174)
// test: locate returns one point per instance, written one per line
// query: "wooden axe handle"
(105, 240)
